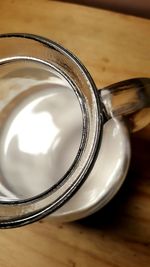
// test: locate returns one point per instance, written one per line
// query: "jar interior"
(41, 128)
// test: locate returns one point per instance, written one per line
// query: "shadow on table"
(134, 7)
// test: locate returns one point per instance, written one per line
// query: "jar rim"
(20, 212)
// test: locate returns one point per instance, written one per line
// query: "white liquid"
(40, 133)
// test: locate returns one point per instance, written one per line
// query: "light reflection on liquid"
(32, 139)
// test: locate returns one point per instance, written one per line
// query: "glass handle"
(129, 99)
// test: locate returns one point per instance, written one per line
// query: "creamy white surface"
(106, 176)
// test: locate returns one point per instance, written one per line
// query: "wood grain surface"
(113, 47)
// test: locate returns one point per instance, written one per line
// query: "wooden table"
(113, 47)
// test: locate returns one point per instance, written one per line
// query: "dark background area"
(134, 7)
